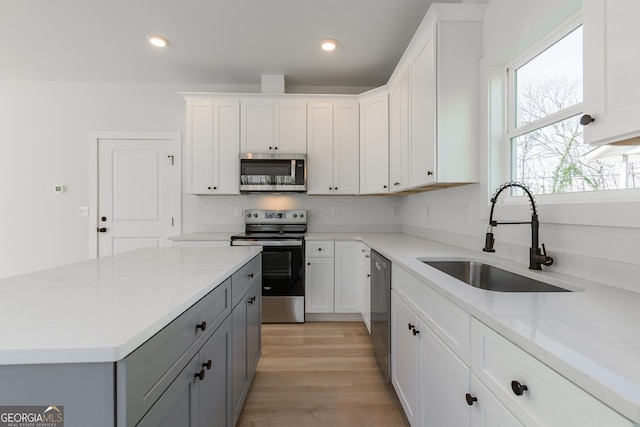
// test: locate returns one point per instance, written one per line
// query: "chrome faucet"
(537, 258)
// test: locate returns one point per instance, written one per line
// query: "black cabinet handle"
(202, 326)
(209, 188)
(104, 218)
(200, 375)
(251, 300)
(207, 365)
(308, 263)
(384, 186)
(396, 183)
(411, 326)
(368, 275)
(330, 188)
(470, 399)
(415, 332)
(429, 173)
(518, 389)
(586, 120)
(102, 230)
(270, 148)
(250, 275)
(319, 249)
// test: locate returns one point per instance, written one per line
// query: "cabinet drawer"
(549, 398)
(243, 279)
(148, 371)
(319, 249)
(448, 321)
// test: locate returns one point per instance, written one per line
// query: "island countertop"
(102, 309)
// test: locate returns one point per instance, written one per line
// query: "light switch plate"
(82, 211)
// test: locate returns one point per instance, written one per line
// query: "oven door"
(283, 270)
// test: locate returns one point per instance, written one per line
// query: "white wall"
(44, 136)
(596, 241)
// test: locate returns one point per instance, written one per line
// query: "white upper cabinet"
(270, 126)
(399, 133)
(611, 70)
(213, 146)
(333, 148)
(442, 62)
(374, 142)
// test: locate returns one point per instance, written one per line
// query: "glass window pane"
(550, 82)
(552, 160)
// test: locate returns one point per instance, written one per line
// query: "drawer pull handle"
(411, 326)
(207, 365)
(415, 332)
(200, 375)
(202, 326)
(251, 276)
(518, 388)
(470, 399)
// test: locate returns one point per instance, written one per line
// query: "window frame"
(510, 130)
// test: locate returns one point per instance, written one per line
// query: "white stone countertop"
(591, 336)
(101, 310)
(202, 237)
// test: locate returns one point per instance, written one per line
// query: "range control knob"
(255, 215)
(249, 215)
(295, 215)
(301, 216)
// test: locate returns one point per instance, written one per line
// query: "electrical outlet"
(238, 210)
(82, 211)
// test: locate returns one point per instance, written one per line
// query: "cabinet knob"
(396, 183)
(586, 120)
(104, 218)
(212, 188)
(207, 365)
(308, 263)
(411, 326)
(518, 389)
(384, 186)
(102, 230)
(470, 399)
(250, 275)
(251, 300)
(330, 188)
(368, 275)
(275, 148)
(270, 148)
(200, 375)
(335, 188)
(429, 173)
(319, 249)
(202, 326)
(415, 332)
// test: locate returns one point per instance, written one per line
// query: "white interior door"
(138, 193)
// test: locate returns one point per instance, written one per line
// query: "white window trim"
(509, 131)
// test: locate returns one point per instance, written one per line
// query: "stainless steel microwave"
(273, 173)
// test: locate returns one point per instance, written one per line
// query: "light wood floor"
(319, 374)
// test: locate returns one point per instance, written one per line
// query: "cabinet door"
(422, 75)
(374, 144)
(348, 277)
(399, 134)
(240, 378)
(319, 285)
(290, 127)
(200, 148)
(366, 274)
(320, 148)
(611, 69)
(254, 329)
(445, 383)
(215, 387)
(178, 405)
(226, 148)
(256, 131)
(406, 359)
(487, 411)
(346, 148)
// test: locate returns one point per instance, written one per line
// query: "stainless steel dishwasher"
(381, 312)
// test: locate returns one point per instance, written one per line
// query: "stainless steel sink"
(491, 278)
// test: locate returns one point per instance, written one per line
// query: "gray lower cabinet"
(199, 396)
(247, 339)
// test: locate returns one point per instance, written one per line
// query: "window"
(547, 152)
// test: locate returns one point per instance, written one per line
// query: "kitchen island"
(77, 336)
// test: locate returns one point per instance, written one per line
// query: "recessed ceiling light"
(328, 44)
(157, 40)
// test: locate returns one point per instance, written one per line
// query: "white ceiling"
(211, 41)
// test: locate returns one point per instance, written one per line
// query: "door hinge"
(172, 159)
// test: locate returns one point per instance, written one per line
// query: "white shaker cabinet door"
(374, 144)
(349, 281)
(256, 132)
(320, 148)
(319, 285)
(346, 148)
(290, 127)
(611, 70)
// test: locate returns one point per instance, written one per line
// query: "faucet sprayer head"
(489, 241)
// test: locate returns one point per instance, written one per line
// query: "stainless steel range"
(281, 234)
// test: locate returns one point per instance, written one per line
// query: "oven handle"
(266, 242)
